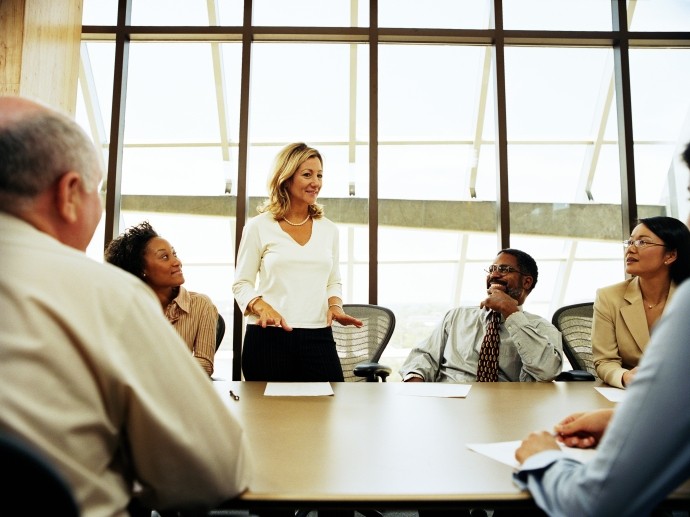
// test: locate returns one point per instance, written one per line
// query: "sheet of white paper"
(298, 389)
(505, 452)
(434, 389)
(613, 394)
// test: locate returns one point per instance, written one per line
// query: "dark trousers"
(303, 355)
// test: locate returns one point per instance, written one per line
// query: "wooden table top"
(375, 444)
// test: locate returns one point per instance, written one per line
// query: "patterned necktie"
(487, 369)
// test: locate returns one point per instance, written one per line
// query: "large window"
(447, 133)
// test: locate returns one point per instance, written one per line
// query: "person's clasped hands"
(579, 430)
(629, 376)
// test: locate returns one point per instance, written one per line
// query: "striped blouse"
(195, 317)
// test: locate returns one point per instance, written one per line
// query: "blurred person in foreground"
(141, 251)
(530, 347)
(643, 451)
(85, 379)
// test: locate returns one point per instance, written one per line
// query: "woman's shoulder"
(618, 288)
(200, 298)
(261, 220)
(627, 291)
(326, 222)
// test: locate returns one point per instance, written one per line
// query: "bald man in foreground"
(93, 375)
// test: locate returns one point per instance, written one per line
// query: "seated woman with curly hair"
(142, 252)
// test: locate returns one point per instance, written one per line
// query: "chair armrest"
(371, 371)
(575, 375)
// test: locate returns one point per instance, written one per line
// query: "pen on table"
(233, 396)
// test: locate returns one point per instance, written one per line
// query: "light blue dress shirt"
(645, 452)
(530, 348)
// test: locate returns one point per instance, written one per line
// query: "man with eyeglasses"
(530, 346)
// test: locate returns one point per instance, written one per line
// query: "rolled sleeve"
(539, 344)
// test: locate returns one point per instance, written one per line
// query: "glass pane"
(93, 112)
(564, 178)
(661, 126)
(99, 12)
(589, 15)
(95, 247)
(311, 13)
(354, 260)
(560, 150)
(308, 103)
(313, 106)
(659, 15)
(187, 12)
(431, 124)
(435, 14)
(173, 145)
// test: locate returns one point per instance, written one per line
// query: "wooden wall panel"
(11, 37)
(39, 50)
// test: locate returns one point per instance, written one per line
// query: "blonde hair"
(285, 166)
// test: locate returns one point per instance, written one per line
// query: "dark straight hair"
(676, 236)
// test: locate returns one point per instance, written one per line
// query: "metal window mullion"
(621, 71)
(117, 122)
(502, 199)
(373, 151)
(242, 159)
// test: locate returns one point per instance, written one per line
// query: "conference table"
(376, 445)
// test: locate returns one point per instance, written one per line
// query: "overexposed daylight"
(458, 141)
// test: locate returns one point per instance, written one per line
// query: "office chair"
(220, 331)
(575, 324)
(360, 349)
(31, 485)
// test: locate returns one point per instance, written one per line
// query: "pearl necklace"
(297, 224)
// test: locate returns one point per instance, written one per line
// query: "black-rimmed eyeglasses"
(504, 269)
(640, 243)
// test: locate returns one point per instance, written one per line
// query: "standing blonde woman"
(294, 250)
(657, 255)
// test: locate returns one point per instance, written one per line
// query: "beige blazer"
(619, 330)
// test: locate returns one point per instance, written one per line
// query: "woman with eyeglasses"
(657, 257)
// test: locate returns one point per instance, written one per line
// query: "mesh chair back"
(357, 345)
(575, 323)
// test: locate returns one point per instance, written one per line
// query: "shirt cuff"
(539, 461)
(410, 375)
